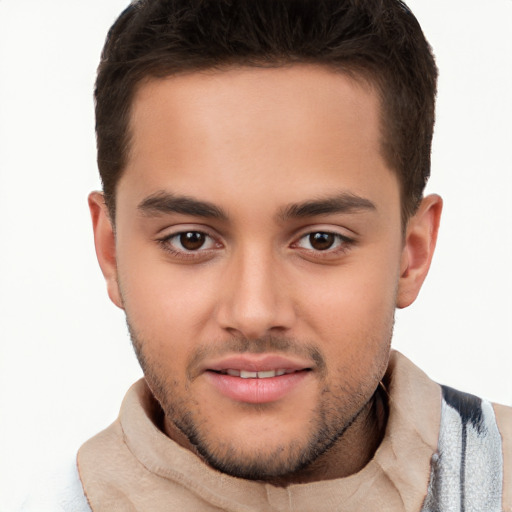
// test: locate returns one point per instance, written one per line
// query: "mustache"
(270, 343)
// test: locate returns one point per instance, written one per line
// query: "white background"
(65, 357)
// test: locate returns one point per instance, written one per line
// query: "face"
(258, 255)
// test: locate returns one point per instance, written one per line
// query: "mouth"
(257, 379)
(264, 374)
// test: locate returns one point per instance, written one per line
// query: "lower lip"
(256, 391)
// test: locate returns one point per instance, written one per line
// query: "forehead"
(303, 125)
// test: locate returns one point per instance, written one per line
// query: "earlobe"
(104, 240)
(418, 250)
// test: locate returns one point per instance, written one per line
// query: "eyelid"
(346, 242)
(178, 229)
(210, 241)
(166, 235)
(344, 233)
(340, 239)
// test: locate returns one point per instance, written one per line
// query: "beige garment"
(504, 421)
(133, 466)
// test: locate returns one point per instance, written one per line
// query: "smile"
(245, 374)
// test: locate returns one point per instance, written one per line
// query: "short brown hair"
(378, 40)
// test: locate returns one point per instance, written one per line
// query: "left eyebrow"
(165, 203)
(345, 202)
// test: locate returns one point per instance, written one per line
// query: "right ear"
(105, 242)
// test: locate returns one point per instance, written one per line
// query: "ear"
(420, 242)
(105, 242)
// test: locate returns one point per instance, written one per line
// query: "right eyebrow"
(165, 202)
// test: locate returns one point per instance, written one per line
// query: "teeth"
(248, 375)
(267, 374)
(257, 375)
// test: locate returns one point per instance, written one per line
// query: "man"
(262, 216)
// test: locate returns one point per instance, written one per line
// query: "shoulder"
(59, 491)
(472, 463)
(504, 422)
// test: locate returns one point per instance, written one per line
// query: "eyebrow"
(165, 202)
(345, 202)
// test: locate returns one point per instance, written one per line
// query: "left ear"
(419, 245)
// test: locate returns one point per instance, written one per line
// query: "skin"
(251, 149)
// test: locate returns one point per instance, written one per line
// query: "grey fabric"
(467, 470)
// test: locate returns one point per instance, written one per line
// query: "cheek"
(352, 311)
(167, 305)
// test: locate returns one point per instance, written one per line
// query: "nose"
(255, 300)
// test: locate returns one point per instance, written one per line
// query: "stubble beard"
(330, 419)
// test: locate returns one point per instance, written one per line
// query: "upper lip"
(257, 363)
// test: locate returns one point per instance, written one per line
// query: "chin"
(264, 459)
(283, 460)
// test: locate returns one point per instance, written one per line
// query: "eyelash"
(185, 254)
(341, 247)
(343, 243)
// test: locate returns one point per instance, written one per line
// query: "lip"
(257, 390)
(257, 363)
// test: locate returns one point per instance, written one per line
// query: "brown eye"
(193, 245)
(322, 241)
(192, 240)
